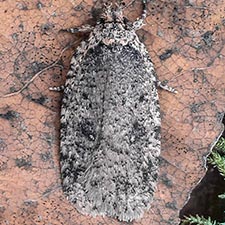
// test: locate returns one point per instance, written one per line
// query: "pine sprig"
(218, 161)
(220, 145)
(199, 220)
(222, 196)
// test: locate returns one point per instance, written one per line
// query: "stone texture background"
(186, 42)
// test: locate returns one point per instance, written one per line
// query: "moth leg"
(59, 88)
(84, 28)
(165, 87)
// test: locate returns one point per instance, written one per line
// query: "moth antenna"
(108, 5)
(139, 22)
(144, 7)
(144, 10)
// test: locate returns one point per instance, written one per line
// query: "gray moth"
(110, 120)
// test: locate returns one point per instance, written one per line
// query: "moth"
(110, 120)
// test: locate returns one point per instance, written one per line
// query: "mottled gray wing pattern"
(110, 133)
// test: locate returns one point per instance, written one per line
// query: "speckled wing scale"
(110, 122)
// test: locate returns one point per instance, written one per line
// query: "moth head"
(112, 13)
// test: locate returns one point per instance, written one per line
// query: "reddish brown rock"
(186, 42)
